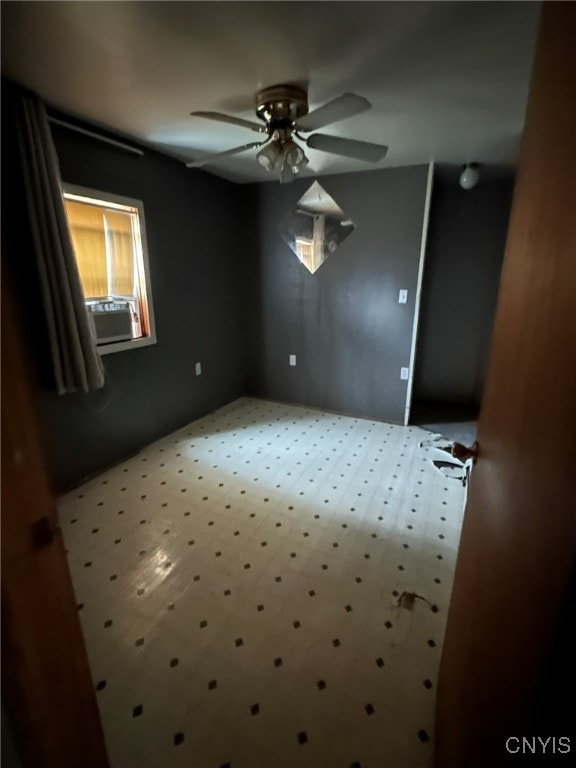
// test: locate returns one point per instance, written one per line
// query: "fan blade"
(227, 153)
(221, 118)
(347, 105)
(357, 150)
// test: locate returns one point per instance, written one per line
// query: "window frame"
(146, 299)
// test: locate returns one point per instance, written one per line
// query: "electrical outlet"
(198, 369)
(404, 373)
(292, 359)
(403, 296)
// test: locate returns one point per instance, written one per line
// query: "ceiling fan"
(283, 110)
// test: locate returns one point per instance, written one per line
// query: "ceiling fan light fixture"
(301, 165)
(293, 154)
(279, 154)
(270, 156)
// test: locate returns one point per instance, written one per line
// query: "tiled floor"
(241, 588)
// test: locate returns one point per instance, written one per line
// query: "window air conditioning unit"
(113, 319)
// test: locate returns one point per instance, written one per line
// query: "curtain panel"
(77, 364)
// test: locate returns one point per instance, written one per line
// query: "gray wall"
(465, 248)
(197, 244)
(344, 323)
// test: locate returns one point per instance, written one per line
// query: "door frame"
(47, 692)
(418, 297)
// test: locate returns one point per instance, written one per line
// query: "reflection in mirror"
(315, 227)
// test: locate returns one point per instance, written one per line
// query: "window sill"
(123, 346)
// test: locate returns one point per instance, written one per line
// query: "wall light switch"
(403, 296)
(404, 373)
(198, 369)
(292, 359)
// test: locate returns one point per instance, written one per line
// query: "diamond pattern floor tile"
(267, 587)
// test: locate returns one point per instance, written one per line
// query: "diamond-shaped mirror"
(315, 227)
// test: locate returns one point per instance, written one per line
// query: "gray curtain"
(77, 364)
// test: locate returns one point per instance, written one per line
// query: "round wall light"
(469, 176)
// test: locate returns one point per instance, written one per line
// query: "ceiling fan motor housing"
(280, 106)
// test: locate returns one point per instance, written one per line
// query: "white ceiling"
(447, 81)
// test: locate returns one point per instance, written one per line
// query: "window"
(109, 239)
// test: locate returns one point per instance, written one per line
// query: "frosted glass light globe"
(469, 177)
